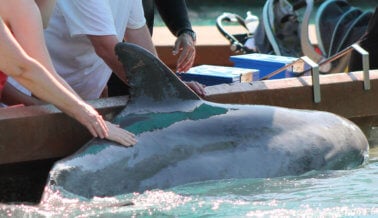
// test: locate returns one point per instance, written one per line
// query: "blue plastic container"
(213, 75)
(265, 63)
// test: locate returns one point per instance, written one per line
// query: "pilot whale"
(183, 138)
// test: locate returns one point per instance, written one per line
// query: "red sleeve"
(3, 79)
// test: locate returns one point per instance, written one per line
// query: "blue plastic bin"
(265, 63)
(213, 75)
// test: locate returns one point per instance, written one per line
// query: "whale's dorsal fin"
(155, 81)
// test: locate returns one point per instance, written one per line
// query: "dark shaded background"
(205, 12)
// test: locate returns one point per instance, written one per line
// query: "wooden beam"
(341, 93)
(44, 132)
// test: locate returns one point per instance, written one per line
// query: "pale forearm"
(104, 47)
(112, 61)
(35, 77)
(43, 85)
(64, 83)
(142, 38)
(34, 44)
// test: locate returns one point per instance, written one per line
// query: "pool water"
(341, 193)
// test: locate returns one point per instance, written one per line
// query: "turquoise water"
(351, 193)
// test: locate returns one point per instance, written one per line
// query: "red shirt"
(3, 79)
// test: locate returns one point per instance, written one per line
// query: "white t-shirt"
(72, 53)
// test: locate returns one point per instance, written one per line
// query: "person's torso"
(72, 52)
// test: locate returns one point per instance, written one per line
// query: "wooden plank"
(44, 132)
(341, 93)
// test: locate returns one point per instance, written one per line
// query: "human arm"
(185, 46)
(34, 43)
(175, 15)
(104, 47)
(141, 37)
(106, 35)
(32, 74)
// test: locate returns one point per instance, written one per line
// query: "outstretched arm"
(28, 33)
(34, 76)
(47, 85)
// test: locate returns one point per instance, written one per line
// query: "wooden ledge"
(44, 132)
(341, 93)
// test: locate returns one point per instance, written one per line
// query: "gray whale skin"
(184, 139)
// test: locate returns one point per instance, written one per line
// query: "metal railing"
(299, 66)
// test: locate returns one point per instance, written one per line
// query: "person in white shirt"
(81, 37)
